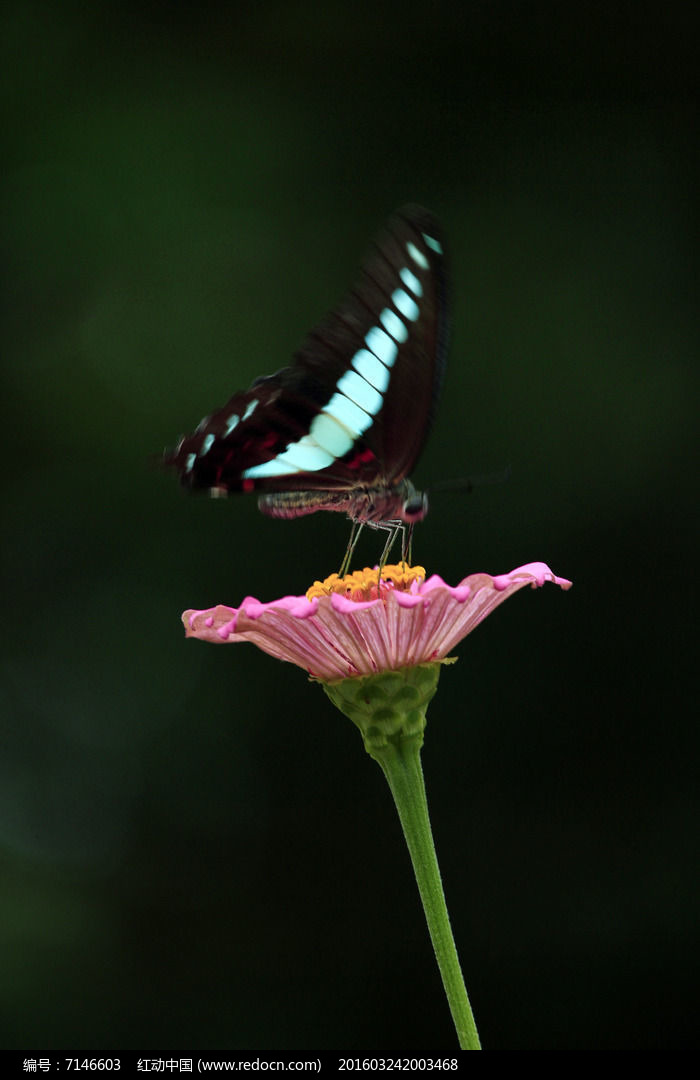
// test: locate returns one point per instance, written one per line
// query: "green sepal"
(388, 706)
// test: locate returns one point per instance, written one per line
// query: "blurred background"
(196, 853)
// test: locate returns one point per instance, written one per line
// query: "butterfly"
(342, 427)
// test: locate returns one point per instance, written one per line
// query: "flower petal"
(333, 637)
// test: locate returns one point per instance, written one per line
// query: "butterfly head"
(415, 507)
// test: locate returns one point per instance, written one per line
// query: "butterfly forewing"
(355, 406)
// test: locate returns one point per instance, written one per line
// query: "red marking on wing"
(363, 458)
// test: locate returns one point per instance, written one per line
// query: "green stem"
(389, 708)
(400, 762)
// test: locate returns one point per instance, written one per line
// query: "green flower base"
(387, 706)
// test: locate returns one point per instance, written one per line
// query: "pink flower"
(357, 626)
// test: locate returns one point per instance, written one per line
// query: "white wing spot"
(332, 434)
(394, 325)
(417, 256)
(275, 467)
(354, 419)
(371, 369)
(382, 346)
(306, 455)
(411, 281)
(406, 304)
(361, 392)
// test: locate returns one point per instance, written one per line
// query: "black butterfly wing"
(356, 404)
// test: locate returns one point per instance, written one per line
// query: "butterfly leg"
(352, 544)
(407, 543)
(393, 528)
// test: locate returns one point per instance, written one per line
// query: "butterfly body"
(367, 506)
(341, 428)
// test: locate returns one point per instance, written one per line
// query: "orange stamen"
(367, 584)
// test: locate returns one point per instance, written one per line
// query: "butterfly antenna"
(468, 483)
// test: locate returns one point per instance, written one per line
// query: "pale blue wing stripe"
(405, 304)
(417, 256)
(395, 326)
(411, 281)
(382, 346)
(354, 419)
(432, 243)
(331, 434)
(275, 467)
(371, 369)
(306, 455)
(362, 393)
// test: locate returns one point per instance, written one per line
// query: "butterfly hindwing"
(356, 404)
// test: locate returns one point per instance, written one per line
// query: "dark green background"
(196, 853)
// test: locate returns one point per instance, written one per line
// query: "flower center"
(369, 584)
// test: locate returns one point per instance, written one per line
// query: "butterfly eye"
(415, 508)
